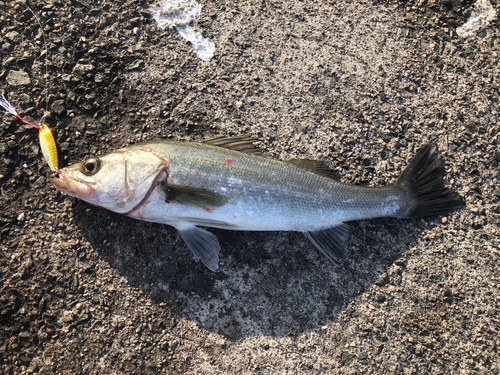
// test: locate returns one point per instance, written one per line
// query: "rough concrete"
(358, 84)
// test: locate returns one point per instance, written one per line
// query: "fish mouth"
(72, 186)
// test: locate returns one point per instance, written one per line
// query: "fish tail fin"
(423, 182)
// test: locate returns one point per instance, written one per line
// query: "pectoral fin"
(332, 242)
(203, 244)
(194, 196)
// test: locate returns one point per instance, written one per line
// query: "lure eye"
(91, 166)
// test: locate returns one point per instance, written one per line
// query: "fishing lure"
(49, 148)
(47, 141)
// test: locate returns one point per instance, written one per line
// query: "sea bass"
(226, 183)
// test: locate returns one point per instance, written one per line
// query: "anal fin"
(202, 243)
(332, 242)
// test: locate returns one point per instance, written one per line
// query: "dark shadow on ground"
(269, 283)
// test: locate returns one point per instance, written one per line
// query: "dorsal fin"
(316, 166)
(240, 143)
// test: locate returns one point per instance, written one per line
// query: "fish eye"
(91, 166)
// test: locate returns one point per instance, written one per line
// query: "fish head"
(119, 181)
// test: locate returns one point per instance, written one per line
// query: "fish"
(227, 183)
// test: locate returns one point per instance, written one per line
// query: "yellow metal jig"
(49, 148)
(47, 142)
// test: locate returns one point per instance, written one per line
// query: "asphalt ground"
(358, 84)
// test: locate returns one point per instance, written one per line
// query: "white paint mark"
(169, 13)
(203, 47)
(178, 14)
(482, 15)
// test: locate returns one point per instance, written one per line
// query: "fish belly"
(268, 213)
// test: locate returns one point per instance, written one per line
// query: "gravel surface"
(359, 84)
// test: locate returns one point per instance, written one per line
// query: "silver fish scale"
(270, 194)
